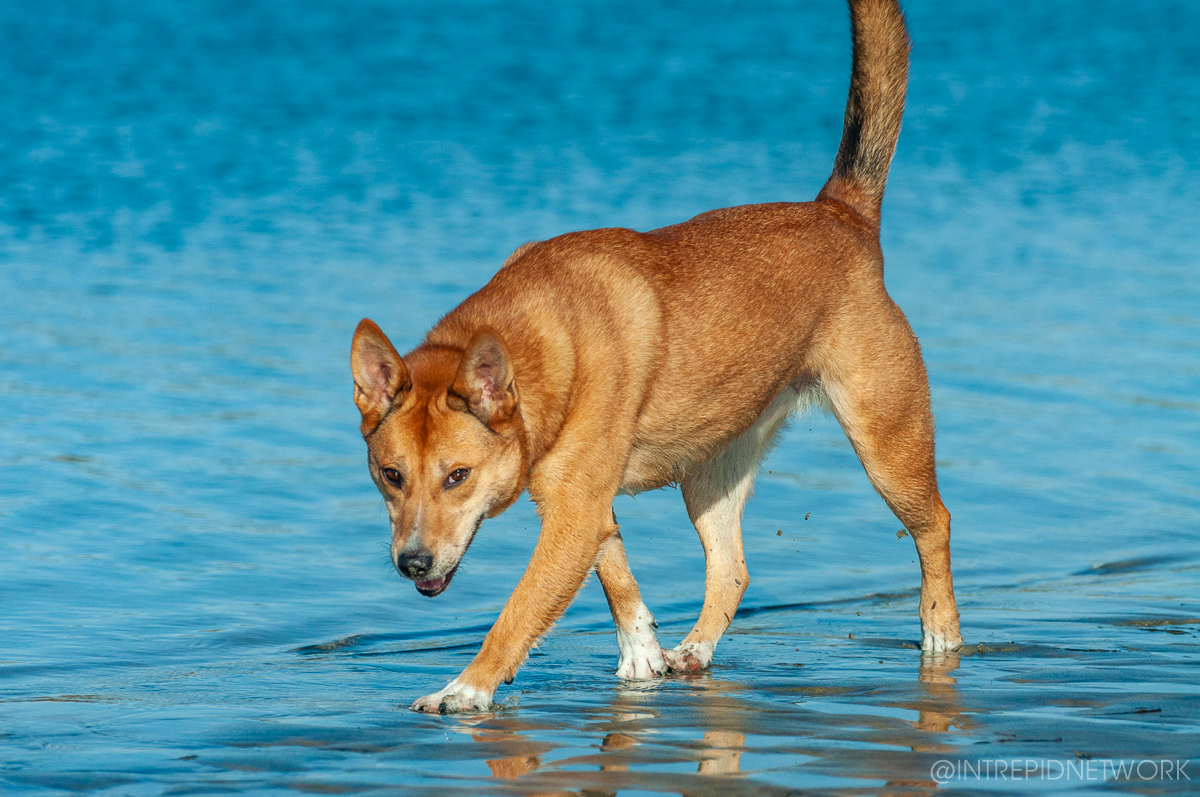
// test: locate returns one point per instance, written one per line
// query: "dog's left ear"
(485, 380)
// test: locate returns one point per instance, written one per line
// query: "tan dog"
(614, 361)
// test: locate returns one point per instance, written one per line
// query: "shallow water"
(199, 202)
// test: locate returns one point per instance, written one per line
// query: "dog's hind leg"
(877, 387)
(715, 494)
(641, 655)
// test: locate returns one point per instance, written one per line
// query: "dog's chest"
(652, 468)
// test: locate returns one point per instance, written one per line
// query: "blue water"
(198, 202)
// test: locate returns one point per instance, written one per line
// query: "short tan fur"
(611, 361)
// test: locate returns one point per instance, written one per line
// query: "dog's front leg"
(566, 550)
(641, 655)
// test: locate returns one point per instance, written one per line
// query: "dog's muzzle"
(435, 586)
(416, 567)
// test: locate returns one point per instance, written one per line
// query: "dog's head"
(445, 444)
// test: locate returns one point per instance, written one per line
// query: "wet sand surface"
(794, 704)
(200, 202)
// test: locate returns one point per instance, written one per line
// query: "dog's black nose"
(414, 565)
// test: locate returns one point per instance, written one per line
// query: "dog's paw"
(689, 657)
(943, 642)
(640, 668)
(641, 663)
(641, 655)
(454, 699)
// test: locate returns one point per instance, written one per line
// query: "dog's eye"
(393, 476)
(457, 477)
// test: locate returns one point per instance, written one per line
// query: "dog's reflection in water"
(719, 752)
(631, 735)
(939, 710)
(508, 736)
(723, 755)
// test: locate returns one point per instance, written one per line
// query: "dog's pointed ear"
(485, 380)
(380, 375)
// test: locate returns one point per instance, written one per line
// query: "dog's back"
(719, 312)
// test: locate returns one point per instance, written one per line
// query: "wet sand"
(1051, 702)
(805, 698)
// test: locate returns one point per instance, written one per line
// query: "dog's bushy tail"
(878, 81)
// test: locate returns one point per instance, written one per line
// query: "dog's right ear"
(379, 373)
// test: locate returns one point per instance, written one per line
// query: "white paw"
(641, 655)
(453, 699)
(939, 643)
(689, 656)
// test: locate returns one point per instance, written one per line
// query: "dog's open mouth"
(435, 586)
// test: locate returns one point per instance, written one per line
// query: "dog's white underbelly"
(648, 470)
